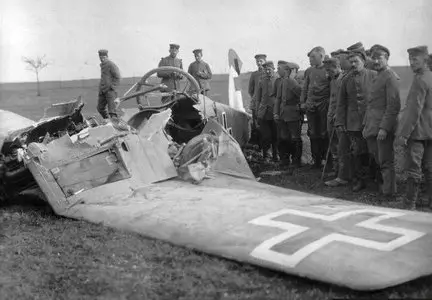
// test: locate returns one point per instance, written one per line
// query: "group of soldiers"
(352, 102)
(110, 77)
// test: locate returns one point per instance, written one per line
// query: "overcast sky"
(137, 32)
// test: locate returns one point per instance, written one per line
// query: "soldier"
(260, 59)
(415, 129)
(343, 160)
(264, 109)
(171, 79)
(276, 90)
(334, 72)
(288, 117)
(110, 79)
(381, 120)
(350, 112)
(201, 71)
(314, 100)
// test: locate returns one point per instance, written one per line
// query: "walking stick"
(328, 152)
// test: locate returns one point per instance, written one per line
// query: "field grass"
(43, 256)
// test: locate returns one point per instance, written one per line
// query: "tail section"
(234, 84)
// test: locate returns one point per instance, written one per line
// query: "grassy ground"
(43, 256)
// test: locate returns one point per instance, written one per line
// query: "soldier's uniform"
(110, 79)
(254, 84)
(264, 109)
(335, 83)
(415, 125)
(170, 79)
(381, 113)
(315, 94)
(201, 71)
(277, 87)
(287, 111)
(350, 113)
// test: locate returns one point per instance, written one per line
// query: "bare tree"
(36, 65)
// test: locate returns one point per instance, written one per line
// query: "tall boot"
(411, 194)
(316, 152)
(275, 154)
(283, 152)
(297, 153)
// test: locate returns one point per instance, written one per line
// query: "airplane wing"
(357, 246)
(10, 122)
(125, 181)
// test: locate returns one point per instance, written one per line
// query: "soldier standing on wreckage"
(288, 117)
(110, 79)
(201, 71)
(314, 100)
(171, 79)
(350, 111)
(381, 120)
(415, 127)
(343, 152)
(264, 110)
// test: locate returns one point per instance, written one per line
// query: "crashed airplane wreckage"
(199, 192)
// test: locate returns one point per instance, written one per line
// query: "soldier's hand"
(382, 135)
(401, 141)
(276, 118)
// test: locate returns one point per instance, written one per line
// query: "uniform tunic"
(170, 79)
(316, 94)
(350, 111)
(264, 109)
(253, 87)
(110, 79)
(382, 110)
(415, 124)
(206, 73)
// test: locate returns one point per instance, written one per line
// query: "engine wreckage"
(174, 173)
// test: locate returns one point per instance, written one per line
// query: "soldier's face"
(198, 56)
(173, 52)
(280, 71)
(356, 63)
(379, 60)
(269, 71)
(259, 62)
(315, 59)
(103, 58)
(417, 62)
(332, 71)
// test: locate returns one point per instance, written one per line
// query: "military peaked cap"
(316, 49)
(174, 46)
(419, 50)
(258, 56)
(103, 52)
(337, 52)
(356, 46)
(359, 53)
(291, 65)
(380, 48)
(268, 64)
(197, 51)
(282, 62)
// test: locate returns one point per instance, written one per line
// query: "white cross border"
(264, 252)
